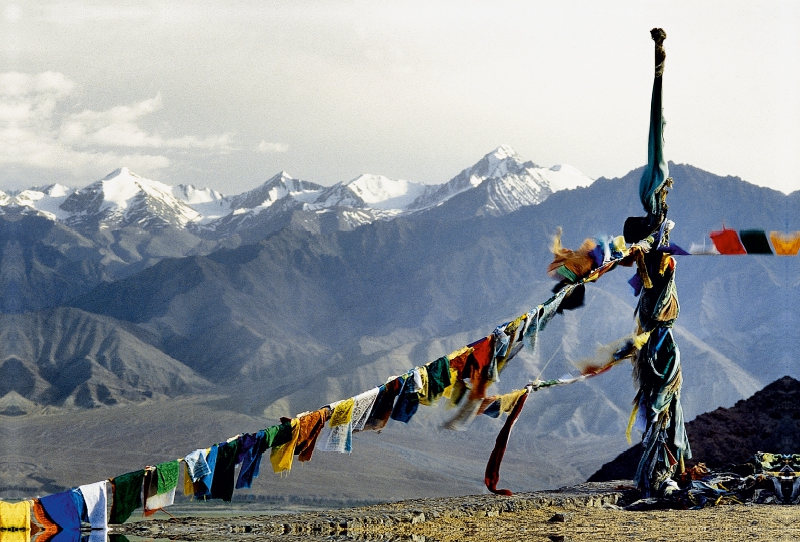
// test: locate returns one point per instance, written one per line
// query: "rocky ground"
(589, 511)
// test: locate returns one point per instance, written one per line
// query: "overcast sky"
(226, 94)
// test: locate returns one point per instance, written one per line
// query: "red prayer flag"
(727, 241)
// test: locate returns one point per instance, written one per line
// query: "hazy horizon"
(225, 95)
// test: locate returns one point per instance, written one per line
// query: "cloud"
(34, 131)
(267, 147)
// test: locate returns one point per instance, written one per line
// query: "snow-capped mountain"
(125, 199)
(188, 193)
(46, 200)
(275, 189)
(379, 192)
(501, 180)
(508, 182)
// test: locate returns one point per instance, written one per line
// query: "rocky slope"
(768, 421)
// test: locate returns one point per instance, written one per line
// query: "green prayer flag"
(167, 476)
(127, 489)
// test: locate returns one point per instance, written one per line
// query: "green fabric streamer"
(127, 489)
(278, 434)
(167, 476)
(438, 378)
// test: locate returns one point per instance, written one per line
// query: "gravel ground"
(584, 512)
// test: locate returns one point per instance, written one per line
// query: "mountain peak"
(120, 172)
(504, 151)
(381, 192)
(280, 177)
(277, 187)
(498, 163)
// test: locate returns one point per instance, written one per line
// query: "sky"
(225, 94)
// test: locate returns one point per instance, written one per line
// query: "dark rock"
(768, 421)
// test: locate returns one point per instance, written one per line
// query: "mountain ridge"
(124, 198)
(301, 317)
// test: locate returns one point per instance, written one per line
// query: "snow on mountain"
(509, 183)
(338, 195)
(39, 200)
(565, 177)
(125, 198)
(503, 162)
(380, 192)
(209, 204)
(187, 193)
(502, 182)
(275, 189)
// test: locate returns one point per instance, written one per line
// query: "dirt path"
(586, 512)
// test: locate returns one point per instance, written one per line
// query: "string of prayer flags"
(731, 242)
(462, 377)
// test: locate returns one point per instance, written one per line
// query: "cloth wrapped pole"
(656, 172)
(657, 369)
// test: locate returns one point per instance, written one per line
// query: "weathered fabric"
(492, 474)
(658, 375)
(61, 508)
(664, 442)
(467, 410)
(311, 425)
(278, 434)
(80, 504)
(478, 367)
(458, 358)
(126, 495)
(538, 318)
(153, 500)
(384, 404)
(224, 480)
(407, 402)
(785, 244)
(727, 242)
(281, 456)
(246, 443)
(755, 241)
(197, 465)
(342, 413)
(251, 460)
(659, 306)
(46, 526)
(656, 172)
(167, 476)
(202, 488)
(571, 265)
(94, 495)
(657, 366)
(422, 389)
(15, 516)
(362, 407)
(188, 485)
(438, 379)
